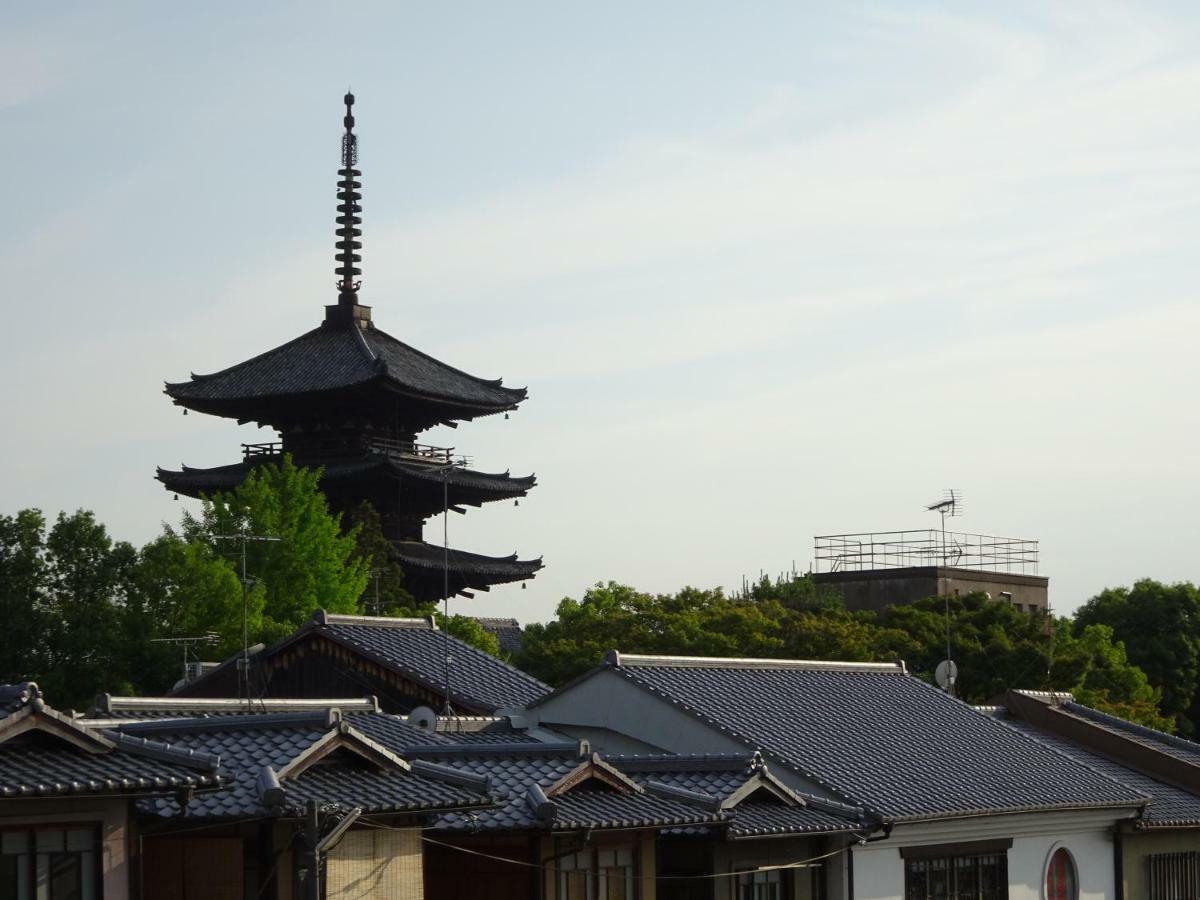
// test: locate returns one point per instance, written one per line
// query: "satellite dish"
(424, 718)
(946, 674)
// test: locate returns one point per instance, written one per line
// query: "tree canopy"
(995, 646)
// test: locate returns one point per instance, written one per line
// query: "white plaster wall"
(605, 707)
(879, 868)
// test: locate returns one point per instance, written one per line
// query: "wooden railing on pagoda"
(333, 447)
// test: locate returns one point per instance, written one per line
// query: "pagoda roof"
(335, 358)
(496, 569)
(500, 485)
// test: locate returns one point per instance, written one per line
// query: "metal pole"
(446, 577)
(312, 836)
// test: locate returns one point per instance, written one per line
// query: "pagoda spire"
(349, 231)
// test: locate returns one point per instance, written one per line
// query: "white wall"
(879, 869)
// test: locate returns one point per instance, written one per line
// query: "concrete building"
(874, 570)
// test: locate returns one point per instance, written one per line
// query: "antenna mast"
(244, 662)
(949, 506)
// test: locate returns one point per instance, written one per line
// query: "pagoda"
(349, 397)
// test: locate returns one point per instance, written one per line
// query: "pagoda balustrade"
(333, 447)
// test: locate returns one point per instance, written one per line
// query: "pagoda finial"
(348, 231)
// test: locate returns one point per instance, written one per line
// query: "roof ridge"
(109, 703)
(164, 752)
(321, 617)
(618, 659)
(574, 749)
(316, 719)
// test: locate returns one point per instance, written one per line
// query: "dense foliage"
(86, 614)
(995, 646)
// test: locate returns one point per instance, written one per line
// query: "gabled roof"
(743, 786)
(874, 736)
(414, 649)
(417, 648)
(45, 754)
(1162, 766)
(565, 786)
(330, 359)
(539, 788)
(319, 756)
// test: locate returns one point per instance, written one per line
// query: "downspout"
(1118, 863)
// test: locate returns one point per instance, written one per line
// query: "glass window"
(50, 864)
(1062, 882)
(606, 874)
(975, 877)
(760, 885)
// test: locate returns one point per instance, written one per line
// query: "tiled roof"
(1177, 747)
(416, 649)
(722, 776)
(507, 631)
(247, 743)
(329, 359)
(1169, 806)
(875, 736)
(45, 754)
(499, 569)
(466, 485)
(678, 794)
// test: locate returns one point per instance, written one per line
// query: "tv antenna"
(208, 638)
(948, 507)
(244, 662)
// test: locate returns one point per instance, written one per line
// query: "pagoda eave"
(466, 487)
(429, 568)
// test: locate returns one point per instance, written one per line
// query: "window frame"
(596, 877)
(949, 859)
(96, 874)
(1055, 850)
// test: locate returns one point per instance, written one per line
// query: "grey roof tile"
(1169, 806)
(247, 743)
(418, 651)
(876, 737)
(328, 359)
(62, 756)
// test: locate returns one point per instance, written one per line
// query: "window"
(980, 876)
(605, 874)
(1172, 876)
(759, 885)
(1062, 882)
(50, 864)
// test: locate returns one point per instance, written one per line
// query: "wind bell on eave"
(349, 232)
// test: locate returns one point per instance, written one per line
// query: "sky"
(769, 271)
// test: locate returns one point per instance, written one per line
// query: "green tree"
(1159, 624)
(467, 629)
(385, 594)
(181, 589)
(312, 565)
(1097, 672)
(22, 587)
